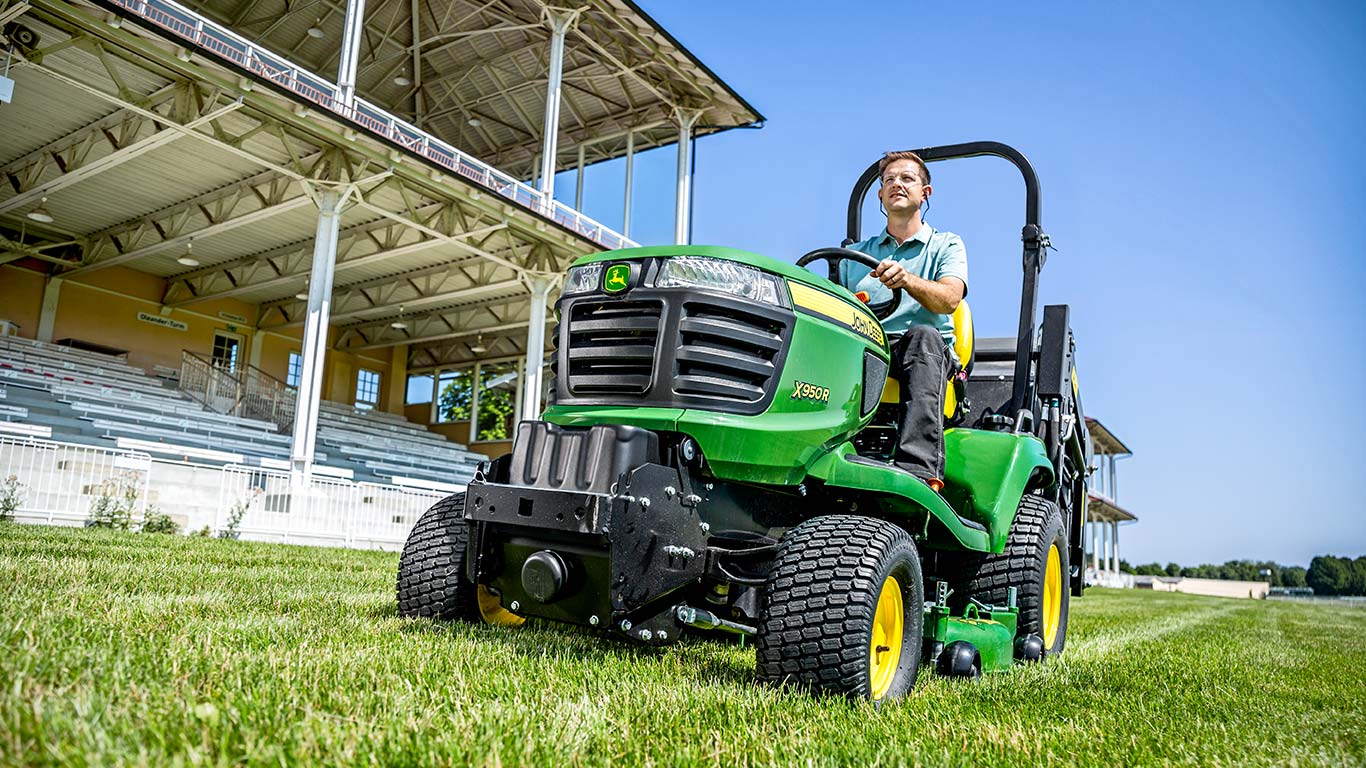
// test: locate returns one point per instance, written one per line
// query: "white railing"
(61, 483)
(263, 504)
(218, 40)
(249, 393)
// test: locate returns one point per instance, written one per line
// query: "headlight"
(719, 275)
(582, 279)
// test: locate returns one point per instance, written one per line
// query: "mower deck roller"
(715, 457)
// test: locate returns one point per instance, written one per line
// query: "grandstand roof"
(159, 144)
(487, 61)
(1104, 440)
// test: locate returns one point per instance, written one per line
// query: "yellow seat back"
(964, 338)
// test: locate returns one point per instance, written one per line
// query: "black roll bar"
(1033, 237)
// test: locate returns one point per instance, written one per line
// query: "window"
(296, 369)
(497, 401)
(367, 389)
(419, 389)
(455, 395)
(225, 349)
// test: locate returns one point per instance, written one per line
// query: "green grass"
(144, 649)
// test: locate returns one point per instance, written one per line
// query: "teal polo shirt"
(928, 253)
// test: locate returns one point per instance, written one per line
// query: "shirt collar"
(922, 234)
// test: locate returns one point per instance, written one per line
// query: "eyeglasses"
(906, 179)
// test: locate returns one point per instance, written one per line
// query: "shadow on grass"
(592, 645)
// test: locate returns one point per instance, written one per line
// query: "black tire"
(431, 570)
(816, 618)
(1024, 563)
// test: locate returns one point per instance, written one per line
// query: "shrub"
(113, 508)
(11, 497)
(235, 515)
(156, 521)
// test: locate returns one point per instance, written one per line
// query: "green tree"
(1329, 575)
(456, 397)
(1292, 576)
(1173, 569)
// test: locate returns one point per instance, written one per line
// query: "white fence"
(221, 42)
(61, 483)
(327, 511)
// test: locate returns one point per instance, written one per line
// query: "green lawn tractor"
(716, 457)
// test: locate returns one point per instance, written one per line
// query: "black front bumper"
(586, 527)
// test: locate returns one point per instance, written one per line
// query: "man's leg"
(924, 365)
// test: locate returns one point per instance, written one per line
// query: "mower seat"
(964, 342)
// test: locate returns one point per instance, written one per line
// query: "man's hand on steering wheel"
(833, 257)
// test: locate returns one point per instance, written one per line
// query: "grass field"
(126, 648)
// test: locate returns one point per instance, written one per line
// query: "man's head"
(905, 183)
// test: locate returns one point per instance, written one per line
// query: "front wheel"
(431, 571)
(1035, 563)
(841, 609)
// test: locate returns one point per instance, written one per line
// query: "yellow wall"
(102, 307)
(21, 298)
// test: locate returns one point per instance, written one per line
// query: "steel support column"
(1095, 546)
(330, 202)
(626, 205)
(578, 181)
(47, 314)
(560, 23)
(540, 286)
(1114, 545)
(683, 194)
(350, 51)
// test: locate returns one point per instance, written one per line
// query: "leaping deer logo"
(616, 278)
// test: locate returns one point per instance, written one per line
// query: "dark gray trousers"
(922, 364)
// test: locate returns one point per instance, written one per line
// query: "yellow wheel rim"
(493, 612)
(1052, 596)
(884, 650)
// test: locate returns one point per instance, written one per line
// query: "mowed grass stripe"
(135, 649)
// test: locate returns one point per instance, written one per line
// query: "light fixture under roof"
(398, 324)
(478, 347)
(40, 213)
(301, 295)
(402, 79)
(475, 122)
(316, 31)
(188, 260)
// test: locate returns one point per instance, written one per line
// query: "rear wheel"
(841, 611)
(431, 571)
(1035, 563)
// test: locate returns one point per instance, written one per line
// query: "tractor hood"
(774, 266)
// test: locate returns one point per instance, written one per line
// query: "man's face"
(902, 188)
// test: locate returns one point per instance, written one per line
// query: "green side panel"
(765, 263)
(776, 446)
(986, 473)
(994, 637)
(658, 419)
(902, 493)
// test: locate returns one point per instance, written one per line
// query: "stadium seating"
(96, 399)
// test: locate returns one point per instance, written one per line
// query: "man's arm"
(939, 296)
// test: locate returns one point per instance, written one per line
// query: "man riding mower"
(718, 454)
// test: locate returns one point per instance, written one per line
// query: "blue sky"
(1203, 176)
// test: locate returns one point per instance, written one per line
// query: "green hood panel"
(765, 263)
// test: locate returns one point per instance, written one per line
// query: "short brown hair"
(891, 157)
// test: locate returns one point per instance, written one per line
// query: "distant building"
(1256, 590)
(1103, 512)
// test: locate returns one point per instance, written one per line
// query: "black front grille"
(611, 347)
(725, 353)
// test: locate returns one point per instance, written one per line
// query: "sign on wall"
(164, 322)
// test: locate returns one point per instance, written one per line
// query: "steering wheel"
(833, 257)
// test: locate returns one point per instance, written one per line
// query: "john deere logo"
(616, 278)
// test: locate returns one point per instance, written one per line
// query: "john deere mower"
(716, 457)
